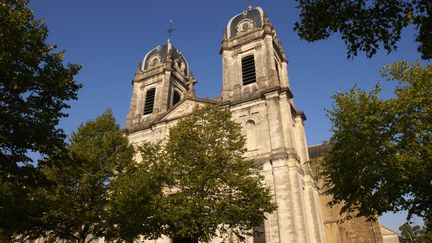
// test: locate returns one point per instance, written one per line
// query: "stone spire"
(191, 84)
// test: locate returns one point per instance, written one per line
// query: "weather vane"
(170, 29)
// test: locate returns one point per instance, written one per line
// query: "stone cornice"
(237, 41)
(158, 118)
(260, 95)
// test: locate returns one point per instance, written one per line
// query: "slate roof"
(162, 51)
(255, 14)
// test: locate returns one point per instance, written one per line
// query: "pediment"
(184, 107)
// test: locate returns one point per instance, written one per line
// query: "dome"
(252, 18)
(160, 55)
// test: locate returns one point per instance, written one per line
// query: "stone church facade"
(256, 89)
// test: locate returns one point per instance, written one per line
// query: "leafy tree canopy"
(366, 25)
(133, 207)
(414, 233)
(78, 201)
(208, 186)
(381, 154)
(34, 89)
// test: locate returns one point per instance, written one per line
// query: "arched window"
(248, 70)
(251, 141)
(149, 101)
(176, 97)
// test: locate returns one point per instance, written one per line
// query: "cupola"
(250, 19)
(253, 59)
(162, 79)
(163, 55)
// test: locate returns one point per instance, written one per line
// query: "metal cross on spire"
(250, 4)
(170, 29)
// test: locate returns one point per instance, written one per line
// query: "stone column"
(280, 173)
(164, 91)
(130, 119)
(284, 75)
(287, 121)
(268, 61)
(271, 224)
(313, 210)
(230, 71)
(284, 196)
(297, 195)
(311, 192)
(301, 138)
(274, 121)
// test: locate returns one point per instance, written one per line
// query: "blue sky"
(109, 38)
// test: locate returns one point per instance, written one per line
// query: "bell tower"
(252, 56)
(257, 90)
(162, 79)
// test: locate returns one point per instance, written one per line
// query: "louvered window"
(248, 70)
(176, 97)
(149, 101)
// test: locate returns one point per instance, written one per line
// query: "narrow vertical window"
(176, 97)
(248, 70)
(251, 139)
(277, 69)
(149, 101)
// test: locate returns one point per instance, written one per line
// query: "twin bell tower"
(256, 89)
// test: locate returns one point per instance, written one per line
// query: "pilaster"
(274, 120)
(284, 74)
(284, 197)
(287, 122)
(297, 194)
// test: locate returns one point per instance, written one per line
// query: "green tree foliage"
(77, 204)
(414, 234)
(208, 186)
(366, 25)
(134, 195)
(381, 154)
(34, 89)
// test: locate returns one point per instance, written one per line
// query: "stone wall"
(356, 230)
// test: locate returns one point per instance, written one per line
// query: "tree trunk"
(83, 234)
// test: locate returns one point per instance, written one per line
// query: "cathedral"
(256, 89)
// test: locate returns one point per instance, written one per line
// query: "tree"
(381, 150)
(364, 25)
(414, 233)
(35, 87)
(209, 187)
(134, 209)
(77, 203)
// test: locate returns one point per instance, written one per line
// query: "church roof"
(317, 151)
(256, 15)
(160, 54)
